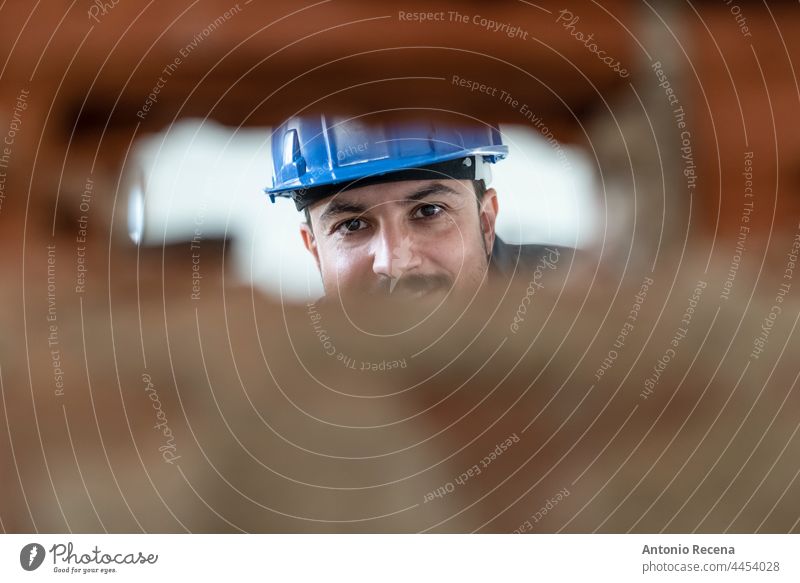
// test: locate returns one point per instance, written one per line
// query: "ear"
(488, 217)
(309, 241)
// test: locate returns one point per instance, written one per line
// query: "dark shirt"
(509, 260)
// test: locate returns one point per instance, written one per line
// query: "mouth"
(418, 293)
(411, 288)
(412, 295)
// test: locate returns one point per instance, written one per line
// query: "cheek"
(456, 248)
(341, 266)
(447, 255)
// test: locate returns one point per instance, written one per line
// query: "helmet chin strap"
(483, 170)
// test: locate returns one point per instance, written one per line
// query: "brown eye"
(352, 225)
(427, 211)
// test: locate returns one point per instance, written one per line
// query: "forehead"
(381, 195)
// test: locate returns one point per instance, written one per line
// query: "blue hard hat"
(316, 156)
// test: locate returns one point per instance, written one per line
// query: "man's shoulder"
(509, 259)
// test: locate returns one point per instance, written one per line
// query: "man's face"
(409, 240)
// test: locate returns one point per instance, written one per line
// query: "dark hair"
(480, 189)
(478, 185)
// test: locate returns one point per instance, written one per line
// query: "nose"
(393, 252)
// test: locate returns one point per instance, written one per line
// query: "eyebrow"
(336, 207)
(431, 189)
